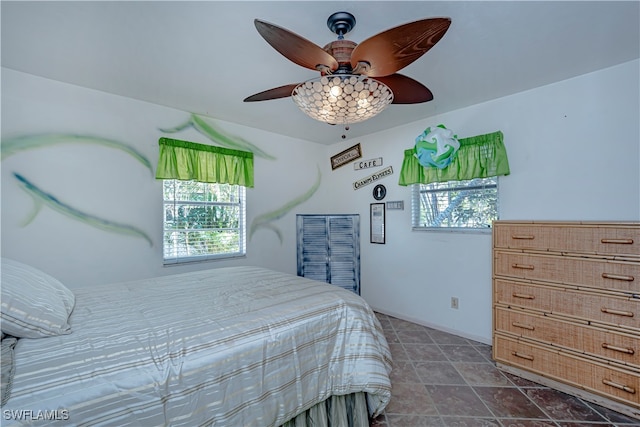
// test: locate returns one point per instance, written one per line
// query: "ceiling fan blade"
(295, 48)
(275, 93)
(394, 49)
(406, 90)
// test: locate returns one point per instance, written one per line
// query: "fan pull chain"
(346, 128)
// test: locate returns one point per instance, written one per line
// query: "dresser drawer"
(584, 272)
(588, 306)
(615, 383)
(594, 239)
(582, 338)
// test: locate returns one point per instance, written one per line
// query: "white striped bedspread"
(236, 346)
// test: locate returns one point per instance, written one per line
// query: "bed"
(236, 346)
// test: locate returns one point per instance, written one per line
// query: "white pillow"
(33, 304)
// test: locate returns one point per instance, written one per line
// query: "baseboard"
(402, 316)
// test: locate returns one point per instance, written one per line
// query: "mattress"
(237, 346)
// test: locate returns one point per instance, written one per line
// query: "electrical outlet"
(454, 302)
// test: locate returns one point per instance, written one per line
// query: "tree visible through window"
(455, 204)
(202, 221)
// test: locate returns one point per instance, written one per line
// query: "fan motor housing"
(341, 51)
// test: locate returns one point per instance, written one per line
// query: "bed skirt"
(337, 411)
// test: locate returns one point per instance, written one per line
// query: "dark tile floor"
(440, 379)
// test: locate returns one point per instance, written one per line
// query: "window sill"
(184, 261)
(453, 230)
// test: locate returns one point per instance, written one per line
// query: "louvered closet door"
(344, 252)
(329, 249)
(313, 247)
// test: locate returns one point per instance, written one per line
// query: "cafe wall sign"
(366, 164)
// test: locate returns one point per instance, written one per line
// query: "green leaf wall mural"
(15, 145)
(265, 220)
(40, 197)
(218, 136)
(19, 144)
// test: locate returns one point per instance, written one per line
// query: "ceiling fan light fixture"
(342, 98)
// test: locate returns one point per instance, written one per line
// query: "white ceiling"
(206, 57)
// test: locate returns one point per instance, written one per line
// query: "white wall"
(574, 153)
(111, 184)
(573, 148)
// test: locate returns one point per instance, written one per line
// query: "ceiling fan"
(357, 80)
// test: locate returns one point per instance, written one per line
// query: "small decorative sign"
(379, 192)
(346, 156)
(365, 164)
(372, 178)
(396, 205)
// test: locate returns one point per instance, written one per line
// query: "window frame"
(416, 207)
(242, 228)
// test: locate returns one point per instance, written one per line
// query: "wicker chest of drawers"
(566, 307)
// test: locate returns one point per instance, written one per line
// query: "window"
(469, 204)
(203, 221)
(464, 194)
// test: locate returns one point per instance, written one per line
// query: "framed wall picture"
(377, 214)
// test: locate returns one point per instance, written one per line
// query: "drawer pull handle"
(618, 241)
(617, 312)
(522, 356)
(616, 348)
(522, 237)
(619, 386)
(617, 277)
(523, 296)
(523, 326)
(525, 266)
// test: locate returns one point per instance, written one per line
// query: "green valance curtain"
(186, 160)
(479, 156)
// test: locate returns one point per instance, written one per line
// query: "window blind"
(469, 204)
(203, 221)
